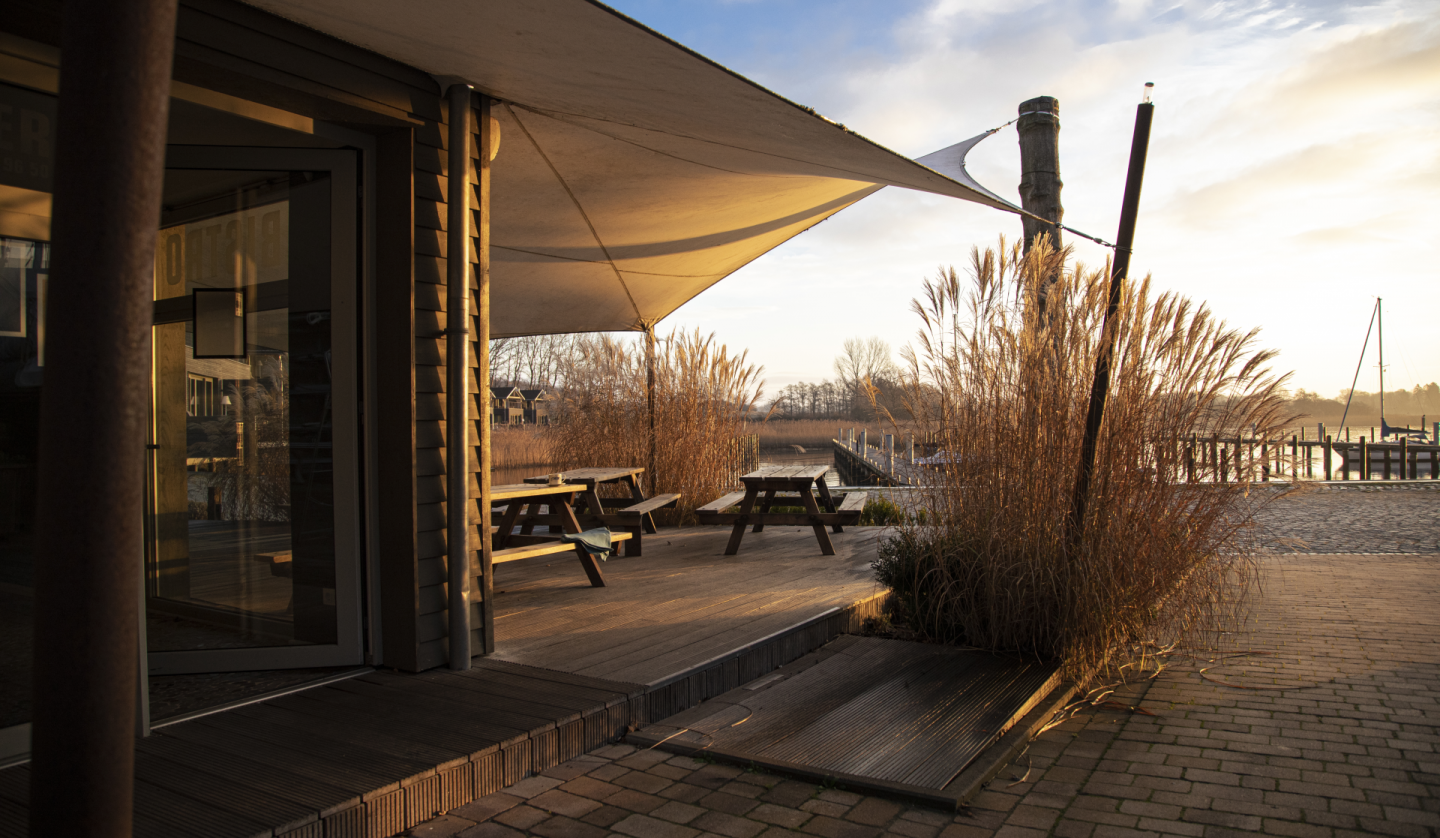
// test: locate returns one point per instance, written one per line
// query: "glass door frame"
(342, 165)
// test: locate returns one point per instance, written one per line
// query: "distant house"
(537, 407)
(507, 406)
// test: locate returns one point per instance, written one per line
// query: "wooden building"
(341, 231)
(507, 406)
(536, 407)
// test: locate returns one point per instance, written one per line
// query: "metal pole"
(457, 376)
(1124, 241)
(488, 132)
(650, 399)
(109, 172)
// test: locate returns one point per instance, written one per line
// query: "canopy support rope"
(578, 208)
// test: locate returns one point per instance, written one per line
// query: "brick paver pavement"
(1373, 517)
(1333, 732)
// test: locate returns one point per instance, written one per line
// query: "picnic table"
(507, 546)
(632, 515)
(792, 486)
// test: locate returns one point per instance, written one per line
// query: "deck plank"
(682, 603)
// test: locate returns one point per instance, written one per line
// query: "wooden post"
(1406, 471)
(1295, 456)
(1326, 451)
(1364, 459)
(109, 170)
(1040, 184)
(912, 448)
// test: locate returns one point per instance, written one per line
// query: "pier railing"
(1196, 460)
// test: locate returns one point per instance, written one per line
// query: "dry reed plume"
(1005, 389)
(703, 395)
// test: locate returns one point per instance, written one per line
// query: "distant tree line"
(1365, 407)
(867, 384)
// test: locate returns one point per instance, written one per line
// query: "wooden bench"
(634, 520)
(538, 546)
(854, 502)
(723, 503)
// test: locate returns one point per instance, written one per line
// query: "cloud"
(1293, 151)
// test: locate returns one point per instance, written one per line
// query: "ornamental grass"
(1163, 554)
(703, 398)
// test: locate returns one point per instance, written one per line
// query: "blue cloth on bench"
(596, 542)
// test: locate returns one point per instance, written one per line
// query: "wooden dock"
(577, 666)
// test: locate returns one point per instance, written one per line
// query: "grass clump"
(703, 396)
(1004, 388)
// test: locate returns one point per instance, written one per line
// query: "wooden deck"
(681, 605)
(577, 666)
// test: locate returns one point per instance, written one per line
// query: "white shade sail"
(633, 173)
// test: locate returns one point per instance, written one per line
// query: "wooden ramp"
(879, 715)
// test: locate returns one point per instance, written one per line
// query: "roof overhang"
(634, 173)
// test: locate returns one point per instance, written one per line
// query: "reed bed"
(520, 447)
(703, 396)
(1004, 388)
(811, 434)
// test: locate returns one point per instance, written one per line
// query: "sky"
(1293, 171)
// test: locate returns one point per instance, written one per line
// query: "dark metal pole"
(650, 399)
(1124, 241)
(457, 376)
(109, 172)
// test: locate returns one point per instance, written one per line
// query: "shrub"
(1005, 388)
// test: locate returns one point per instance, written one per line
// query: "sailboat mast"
(1380, 341)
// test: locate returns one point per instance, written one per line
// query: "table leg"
(827, 500)
(765, 505)
(529, 526)
(821, 536)
(571, 525)
(507, 524)
(746, 507)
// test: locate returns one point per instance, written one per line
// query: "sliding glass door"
(253, 555)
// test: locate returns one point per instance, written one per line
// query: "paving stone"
(444, 826)
(606, 816)
(490, 829)
(641, 826)
(563, 827)
(635, 801)
(779, 815)
(684, 792)
(641, 781)
(532, 786)
(728, 803)
(487, 807)
(728, 825)
(836, 828)
(559, 802)
(676, 812)
(521, 817)
(874, 811)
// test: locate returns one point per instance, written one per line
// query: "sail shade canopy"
(633, 173)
